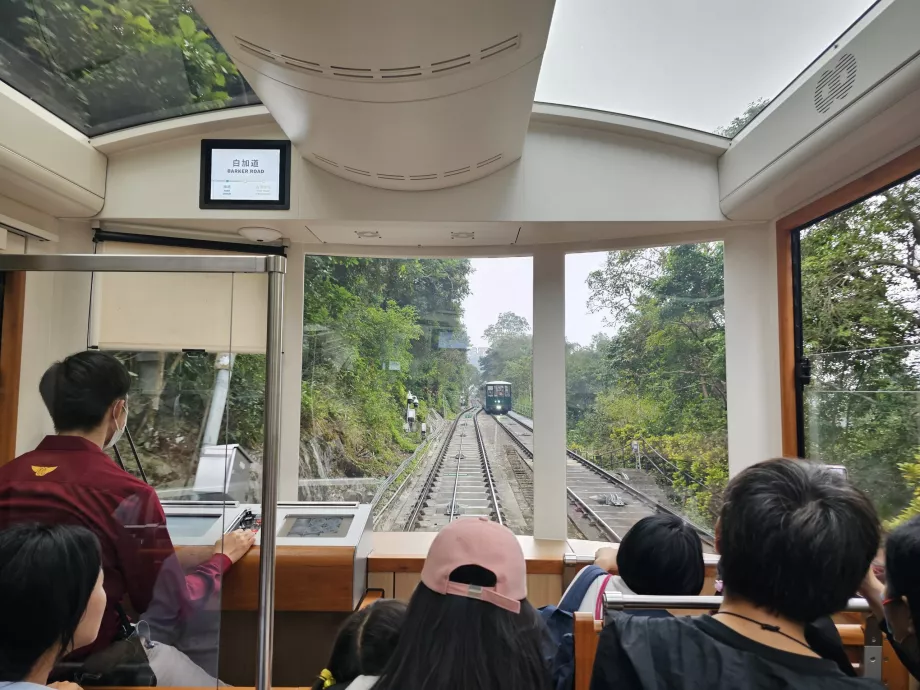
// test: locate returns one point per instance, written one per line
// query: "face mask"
(119, 432)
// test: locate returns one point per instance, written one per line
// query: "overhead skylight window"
(102, 65)
(705, 64)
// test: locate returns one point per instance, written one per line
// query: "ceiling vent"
(463, 235)
(367, 234)
(422, 69)
(835, 83)
(409, 180)
(408, 94)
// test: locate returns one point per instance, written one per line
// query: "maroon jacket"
(68, 479)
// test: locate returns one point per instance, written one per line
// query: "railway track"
(611, 504)
(459, 483)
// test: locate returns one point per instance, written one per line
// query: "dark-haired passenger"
(364, 644)
(51, 599)
(897, 602)
(795, 541)
(659, 555)
(68, 479)
(469, 625)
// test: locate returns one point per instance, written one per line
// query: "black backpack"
(560, 621)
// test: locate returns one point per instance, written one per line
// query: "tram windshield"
(397, 357)
(646, 385)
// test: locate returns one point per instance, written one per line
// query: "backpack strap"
(577, 591)
(599, 604)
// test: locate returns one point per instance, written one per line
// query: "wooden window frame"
(899, 169)
(14, 299)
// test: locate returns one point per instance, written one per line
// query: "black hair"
(365, 642)
(795, 538)
(662, 555)
(79, 390)
(47, 574)
(457, 643)
(902, 563)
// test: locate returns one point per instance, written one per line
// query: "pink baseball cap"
(478, 541)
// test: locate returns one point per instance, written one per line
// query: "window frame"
(788, 257)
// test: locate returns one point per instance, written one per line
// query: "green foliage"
(116, 62)
(375, 329)
(701, 472)
(661, 377)
(860, 296)
(660, 380)
(740, 122)
(169, 402)
(510, 357)
(911, 473)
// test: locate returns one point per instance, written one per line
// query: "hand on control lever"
(235, 544)
(64, 685)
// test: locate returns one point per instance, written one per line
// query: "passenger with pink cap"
(469, 625)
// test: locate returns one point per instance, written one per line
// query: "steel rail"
(487, 467)
(453, 498)
(705, 535)
(402, 485)
(432, 474)
(596, 519)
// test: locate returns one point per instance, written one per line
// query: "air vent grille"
(835, 83)
(421, 177)
(381, 74)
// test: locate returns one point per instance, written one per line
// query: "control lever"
(251, 521)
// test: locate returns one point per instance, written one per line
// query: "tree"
(507, 325)
(116, 62)
(374, 329)
(510, 358)
(753, 110)
(659, 381)
(860, 298)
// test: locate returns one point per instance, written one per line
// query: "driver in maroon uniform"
(69, 479)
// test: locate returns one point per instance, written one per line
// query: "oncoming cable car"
(496, 397)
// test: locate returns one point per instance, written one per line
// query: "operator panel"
(200, 523)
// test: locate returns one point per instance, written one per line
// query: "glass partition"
(412, 371)
(860, 345)
(156, 455)
(645, 387)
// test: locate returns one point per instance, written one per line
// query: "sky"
(696, 63)
(493, 292)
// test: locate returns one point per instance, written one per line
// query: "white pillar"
(549, 498)
(223, 363)
(291, 362)
(752, 347)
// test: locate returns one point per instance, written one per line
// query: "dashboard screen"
(189, 526)
(316, 526)
(246, 174)
(243, 174)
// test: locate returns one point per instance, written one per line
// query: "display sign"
(245, 174)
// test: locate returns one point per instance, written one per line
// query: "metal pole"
(270, 466)
(616, 601)
(872, 650)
